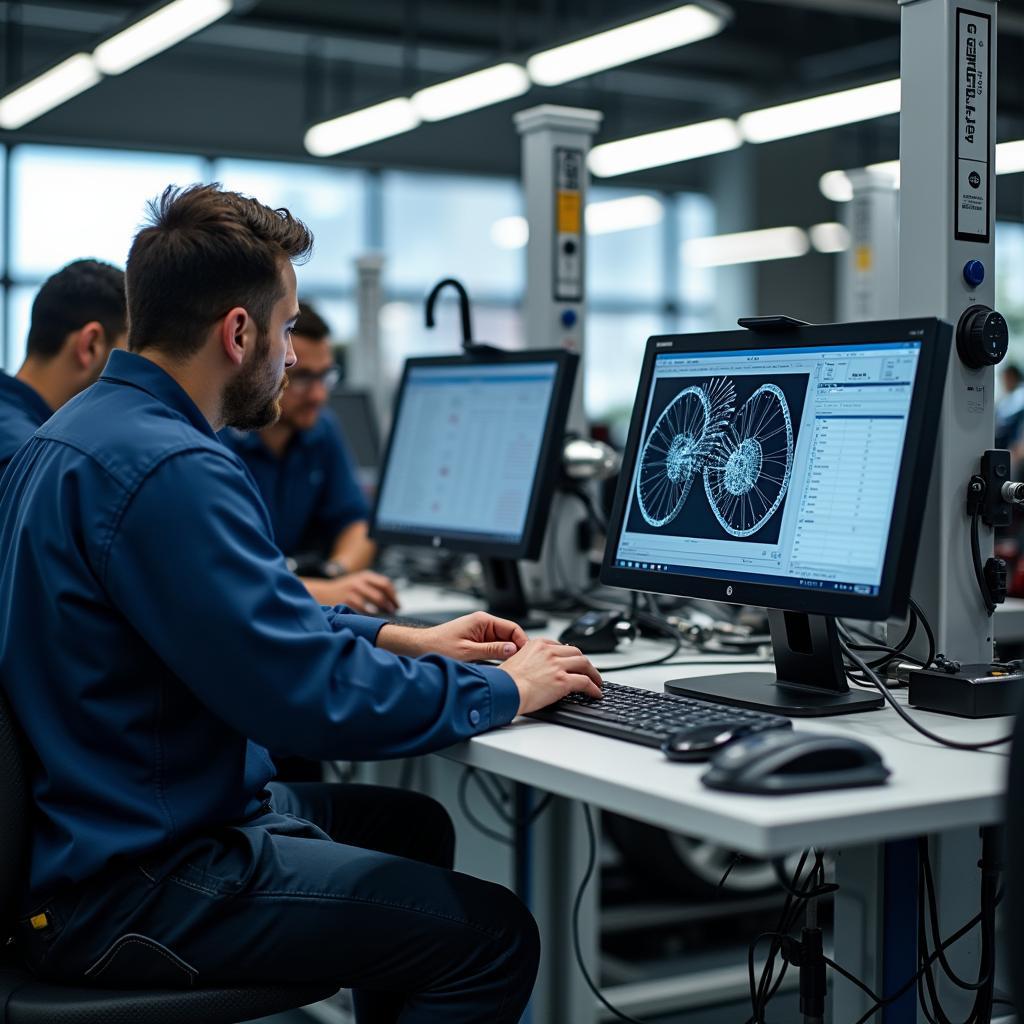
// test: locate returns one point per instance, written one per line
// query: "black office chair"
(23, 1000)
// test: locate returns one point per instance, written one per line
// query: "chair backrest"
(14, 816)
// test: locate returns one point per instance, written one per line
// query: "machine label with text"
(973, 86)
(568, 233)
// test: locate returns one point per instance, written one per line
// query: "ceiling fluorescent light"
(48, 90)
(1010, 157)
(617, 46)
(470, 92)
(836, 186)
(361, 127)
(819, 112)
(832, 237)
(672, 146)
(746, 247)
(510, 232)
(157, 32)
(623, 214)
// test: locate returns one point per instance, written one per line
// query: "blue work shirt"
(153, 642)
(311, 490)
(22, 411)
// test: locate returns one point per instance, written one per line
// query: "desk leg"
(560, 850)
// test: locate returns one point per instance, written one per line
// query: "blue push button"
(974, 272)
(474, 717)
(569, 318)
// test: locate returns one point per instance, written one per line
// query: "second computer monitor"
(473, 458)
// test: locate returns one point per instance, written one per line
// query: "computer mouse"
(598, 631)
(699, 742)
(780, 762)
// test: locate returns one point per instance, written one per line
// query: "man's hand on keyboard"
(545, 671)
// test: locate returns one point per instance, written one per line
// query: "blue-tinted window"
(19, 314)
(695, 218)
(330, 200)
(442, 225)
(1010, 283)
(69, 203)
(625, 264)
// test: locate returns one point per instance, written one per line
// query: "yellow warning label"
(568, 212)
(39, 922)
(862, 258)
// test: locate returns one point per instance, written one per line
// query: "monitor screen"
(473, 451)
(355, 413)
(759, 462)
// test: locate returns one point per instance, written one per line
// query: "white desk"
(933, 790)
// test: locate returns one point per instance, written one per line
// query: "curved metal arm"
(467, 329)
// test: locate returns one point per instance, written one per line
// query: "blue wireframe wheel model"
(677, 447)
(747, 475)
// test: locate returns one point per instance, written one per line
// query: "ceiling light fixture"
(371, 124)
(819, 112)
(157, 32)
(48, 90)
(671, 146)
(831, 237)
(644, 38)
(746, 247)
(623, 214)
(471, 92)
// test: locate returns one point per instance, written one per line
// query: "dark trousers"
(364, 897)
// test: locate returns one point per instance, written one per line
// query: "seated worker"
(305, 473)
(153, 644)
(78, 316)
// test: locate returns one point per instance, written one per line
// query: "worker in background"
(1010, 406)
(154, 644)
(306, 475)
(78, 316)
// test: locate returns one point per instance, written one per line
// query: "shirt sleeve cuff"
(504, 695)
(340, 617)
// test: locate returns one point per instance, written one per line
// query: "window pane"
(1010, 284)
(615, 345)
(19, 313)
(330, 200)
(71, 203)
(439, 226)
(404, 334)
(695, 218)
(625, 264)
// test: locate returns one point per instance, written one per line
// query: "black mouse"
(699, 742)
(780, 762)
(598, 631)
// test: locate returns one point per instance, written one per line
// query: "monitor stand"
(809, 680)
(504, 594)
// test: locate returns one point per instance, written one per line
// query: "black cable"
(979, 571)
(909, 719)
(932, 649)
(577, 903)
(467, 811)
(499, 800)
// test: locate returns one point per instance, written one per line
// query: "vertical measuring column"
(869, 269)
(947, 262)
(364, 363)
(555, 143)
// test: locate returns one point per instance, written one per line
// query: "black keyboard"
(643, 716)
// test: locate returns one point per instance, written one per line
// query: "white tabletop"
(932, 788)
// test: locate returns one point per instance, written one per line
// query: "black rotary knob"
(982, 337)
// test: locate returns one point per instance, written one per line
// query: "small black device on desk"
(598, 631)
(779, 763)
(971, 691)
(703, 741)
(647, 717)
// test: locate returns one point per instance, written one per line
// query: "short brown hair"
(310, 323)
(203, 252)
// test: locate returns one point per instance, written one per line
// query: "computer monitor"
(354, 411)
(785, 469)
(473, 458)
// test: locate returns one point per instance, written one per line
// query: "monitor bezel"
(529, 543)
(908, 507)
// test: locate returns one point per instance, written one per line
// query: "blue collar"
(142, 373)
(27, 396)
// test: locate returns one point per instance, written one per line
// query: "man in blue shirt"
(78, 316)
(305, 473)
(153, 644)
